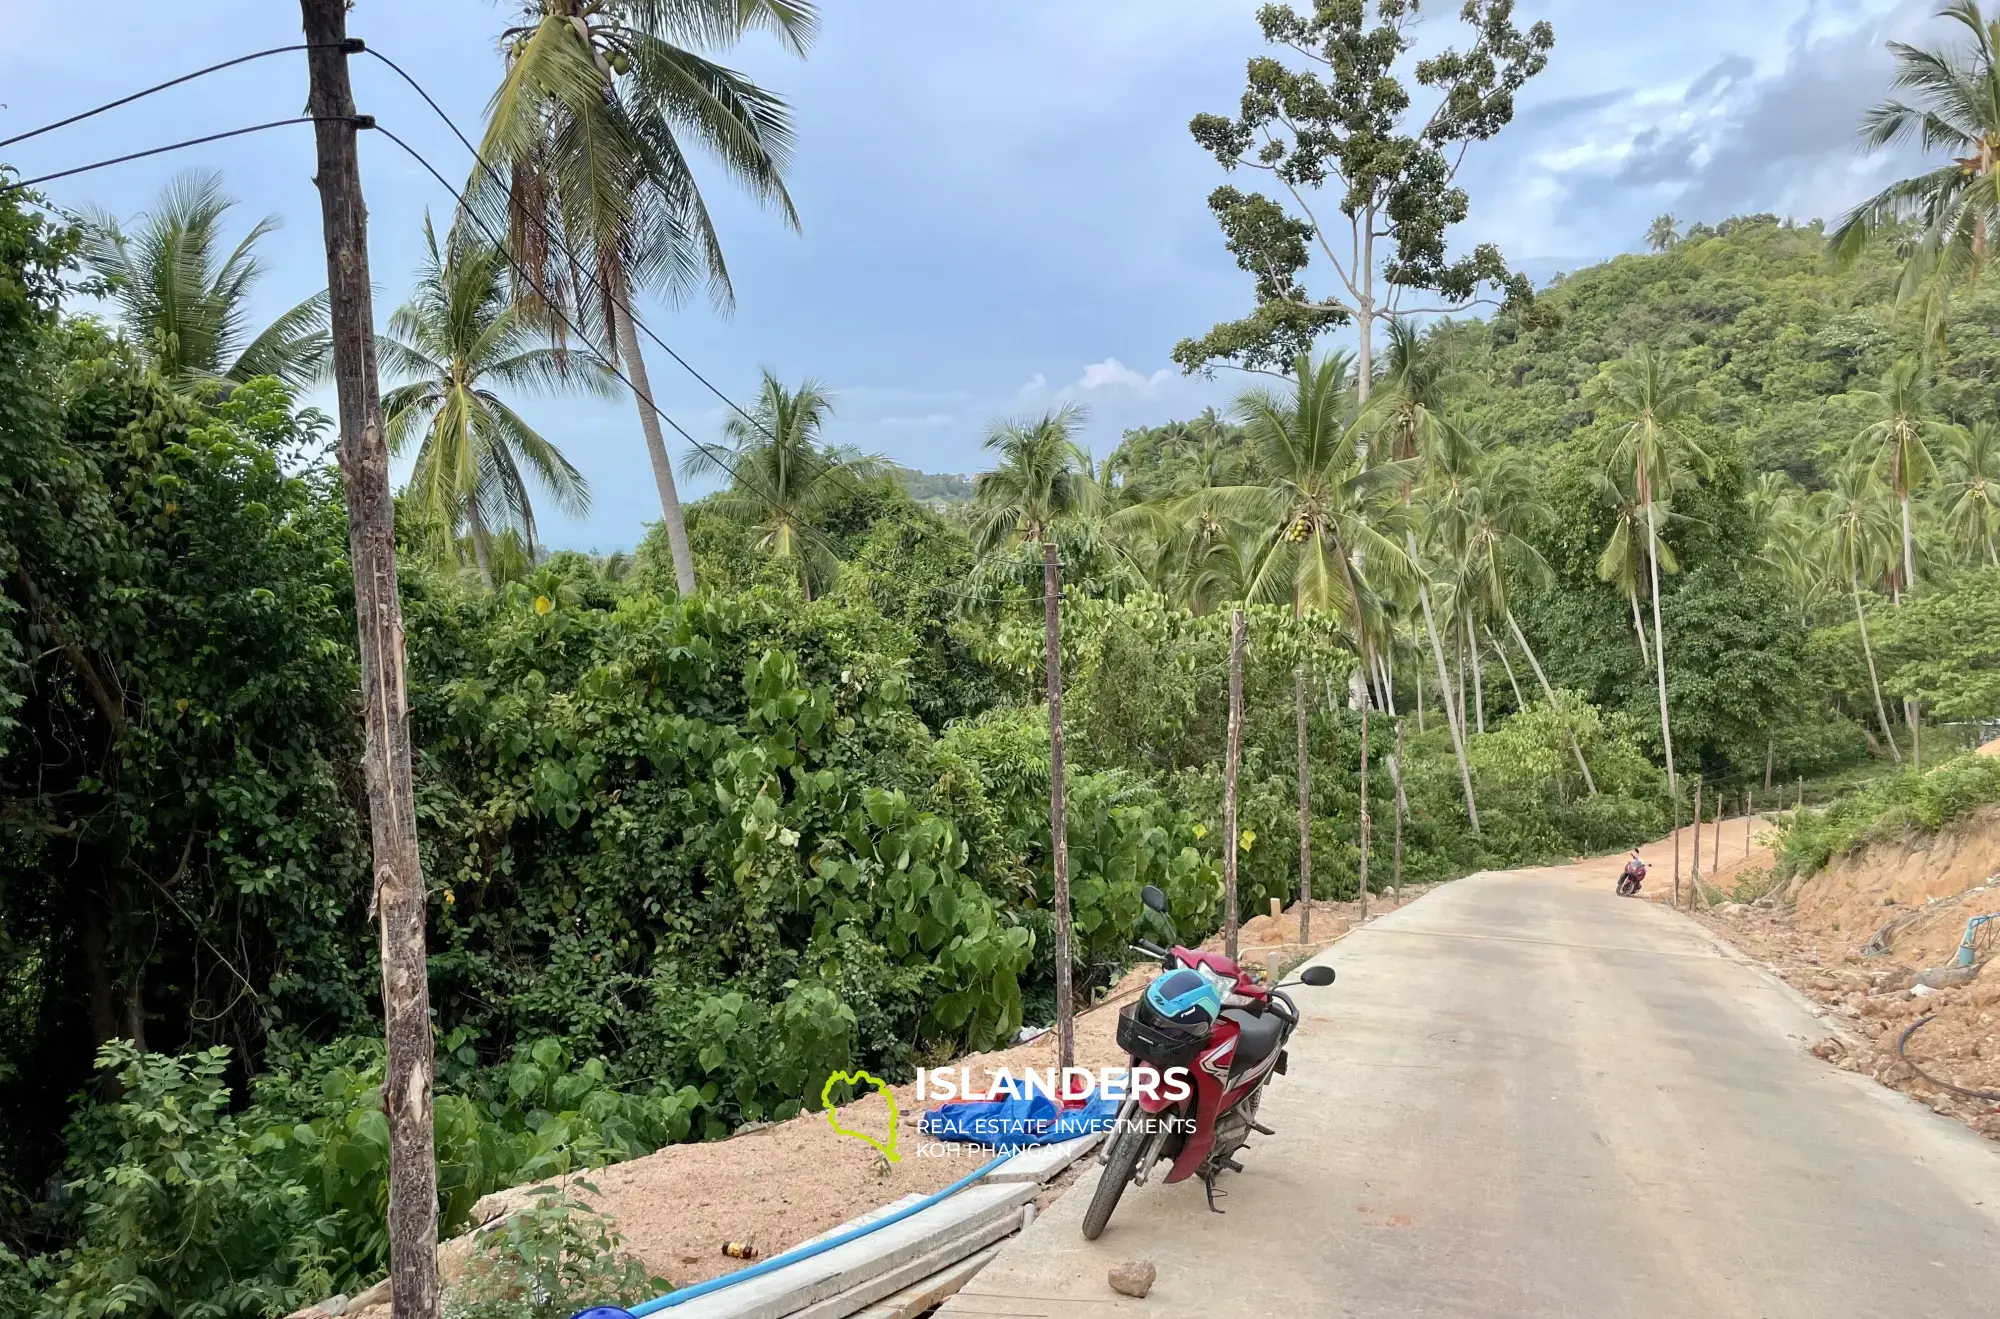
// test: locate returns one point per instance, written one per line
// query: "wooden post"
(1749, 814)
(398, 899)
(1675, 798)
(1305, 809)
(1396, 778)
(1799, 804)
(1365, 703)
(1695, 871)
(1058, 802)
(1234, 756)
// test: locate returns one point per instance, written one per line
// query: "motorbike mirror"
(1316, 975)
(1153, 898)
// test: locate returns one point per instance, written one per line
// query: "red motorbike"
(1204, 1039)
(1630, 878)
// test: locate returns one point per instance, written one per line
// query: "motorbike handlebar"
(1151, 949)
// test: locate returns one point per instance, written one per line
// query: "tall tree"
(1654, 450)
(602, 203)
(1406, 420)
(1896, 448)
(186, 302)
(784, 481)
(1860, 544)
(1044, 479)
(1663, 233)
(1336, 130)
(1330, 525)
(1953, 207)
(1971, 491)
(458, 337)
(1634, 546)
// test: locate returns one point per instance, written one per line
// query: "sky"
(1001, 208)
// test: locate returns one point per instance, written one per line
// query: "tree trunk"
(1058, 803)
(1444, 690)
(1549, 691)
(1770, 749)
(1396, 780)
(1478, 678)
(97, 965)
(1232, 757)
(1420, 699)
(371, 533)
(1639, 626)
(1520, 701)
(482, 543)
(1364, 279)
(656, 449)
(1458, 666)
(1364, 811)
(1389, 677)
(1875, 681)
(1305, 809)
(1659, 636)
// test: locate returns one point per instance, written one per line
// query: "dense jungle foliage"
(687, 855)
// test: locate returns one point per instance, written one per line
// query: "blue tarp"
(1033, 1119)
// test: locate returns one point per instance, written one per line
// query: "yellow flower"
(543, 604)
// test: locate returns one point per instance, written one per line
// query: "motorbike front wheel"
(1120, 1162)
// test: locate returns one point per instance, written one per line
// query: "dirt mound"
(1907, 887)
(1907, 904)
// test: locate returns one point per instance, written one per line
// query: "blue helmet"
(1185, 998)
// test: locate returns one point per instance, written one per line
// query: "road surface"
(1526, 1096)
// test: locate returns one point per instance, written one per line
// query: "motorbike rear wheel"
(1120, 1162)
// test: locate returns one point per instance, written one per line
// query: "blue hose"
(673, 1298)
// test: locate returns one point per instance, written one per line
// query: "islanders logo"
(858, 1079)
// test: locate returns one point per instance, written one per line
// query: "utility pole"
(1234, 757)
(398, 899)
(1305, 810)
(1058, 804)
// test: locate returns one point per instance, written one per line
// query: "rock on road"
(1527, 1096)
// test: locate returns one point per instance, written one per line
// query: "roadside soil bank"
(1906, 903)
(788, 1182)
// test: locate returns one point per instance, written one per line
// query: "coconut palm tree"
(1502, 507)
(1406, 419)
(1896, 448)
(1972, 489)
(1860, 545)
(186, 301)
(457, 342)
(1043, 480)
(1662, 233)
(1953, 207)
(1625, 560)
(784, 481)
(591, 124)
(1654, 450)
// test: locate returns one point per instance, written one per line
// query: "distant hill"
(934, 487)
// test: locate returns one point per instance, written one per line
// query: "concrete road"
(1526, 1096)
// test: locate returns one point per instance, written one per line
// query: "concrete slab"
(916, 1272)
(845, 1268)
(1041, 1163)
(918, 1298)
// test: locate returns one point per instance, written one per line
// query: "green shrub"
(547, 1261)
(1888, 807)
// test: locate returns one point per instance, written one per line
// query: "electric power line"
(362, 121)
(157, 87)
(549, 233)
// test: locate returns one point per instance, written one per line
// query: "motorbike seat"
(1257, 1039)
